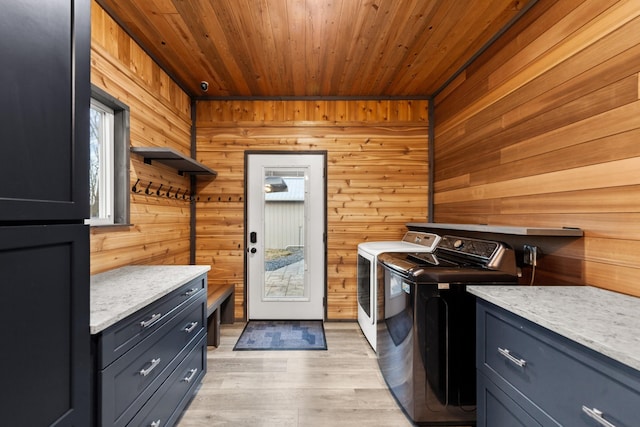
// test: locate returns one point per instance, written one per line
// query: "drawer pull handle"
(191, 327)
(191, 292)
(597, 415)
(154, 363)
(153, 319)
(155, 423)
(506, 353)
(192, 374)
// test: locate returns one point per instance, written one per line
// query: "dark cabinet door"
(496, 408)
(44, 109)
(44, 325)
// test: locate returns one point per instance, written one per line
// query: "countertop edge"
(581, 336)
(99, 320)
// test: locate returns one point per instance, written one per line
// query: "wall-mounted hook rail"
(171, 192)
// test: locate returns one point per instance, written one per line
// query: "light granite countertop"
(115, 294)
(601, 320)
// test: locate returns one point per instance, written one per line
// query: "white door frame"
(250, 249)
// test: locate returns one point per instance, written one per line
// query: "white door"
(285, 238)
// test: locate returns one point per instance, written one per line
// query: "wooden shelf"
(501, 229)
(173, 159)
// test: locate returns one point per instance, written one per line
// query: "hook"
(184, 196)
(158, 191)
(147, 191)
(135, 188)
(177, 192)
(169, 191)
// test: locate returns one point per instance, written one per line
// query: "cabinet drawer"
(118, 339)
(496, 408)
(127, 383)
(555, 373)
(166, 406)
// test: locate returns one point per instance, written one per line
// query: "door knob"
(253, 250)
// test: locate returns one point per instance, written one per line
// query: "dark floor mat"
(282, 335)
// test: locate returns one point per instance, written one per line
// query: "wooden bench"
(220, 309)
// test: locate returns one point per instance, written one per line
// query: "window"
(108, 160)
(100, 163)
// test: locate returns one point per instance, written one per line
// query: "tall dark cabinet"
(44, 244)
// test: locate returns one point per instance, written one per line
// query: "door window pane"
(284, 231)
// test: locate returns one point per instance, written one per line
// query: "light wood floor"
(338, 387)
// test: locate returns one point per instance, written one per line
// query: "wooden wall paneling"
(548, 128)
(158, 111)
(170, 253)
(613, 251)
(471, 208)
(109, 69)
(160, 115)
(553, 109)
(571, 24)
(377, 178)
(584, 34)
(116, 47)
(570, 81)
(600, 200)
(612, 225)
(622, 119)
(613, 277)
(608, 148)
(474, 76)
(611, 174)
(458, 181)
(310, 113)
(155, 234)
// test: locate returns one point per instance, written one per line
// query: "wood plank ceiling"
(313, 48)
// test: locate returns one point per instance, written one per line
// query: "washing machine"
(413, 241)
(426, 325)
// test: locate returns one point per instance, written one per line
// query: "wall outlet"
(530, 255)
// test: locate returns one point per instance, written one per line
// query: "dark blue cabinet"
(44, 244)
(44, 110)
(44, 318)
(496, 408)
(528, 372)
(149, 364)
